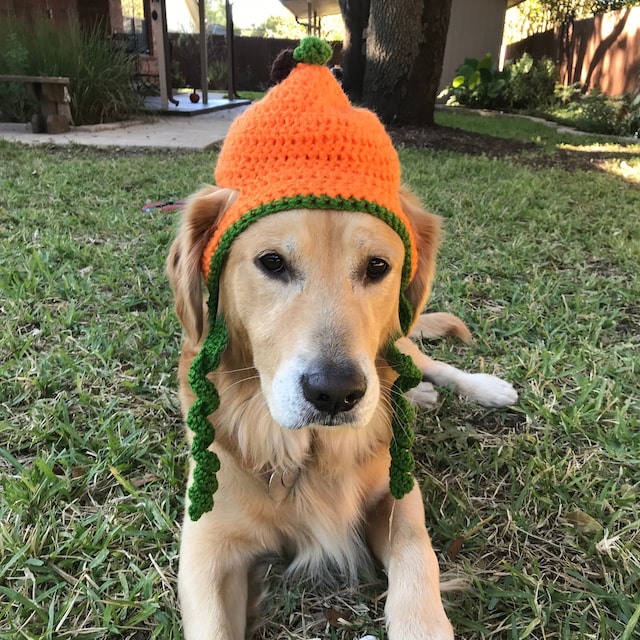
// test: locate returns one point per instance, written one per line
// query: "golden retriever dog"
(303, 426)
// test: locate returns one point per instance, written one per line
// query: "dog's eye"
(376, 268)
(272, 263)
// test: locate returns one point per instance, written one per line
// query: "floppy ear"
(184, 267)
(426, 229)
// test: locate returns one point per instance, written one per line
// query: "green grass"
(541, 263)
(251, 95)
(530, 129)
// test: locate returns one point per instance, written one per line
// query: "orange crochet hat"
(303, 146)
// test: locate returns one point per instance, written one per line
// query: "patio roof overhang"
(302, 9)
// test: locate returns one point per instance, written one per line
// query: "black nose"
(334, 389)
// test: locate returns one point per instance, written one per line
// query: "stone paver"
(178, 132)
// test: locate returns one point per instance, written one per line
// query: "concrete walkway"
(174, 132)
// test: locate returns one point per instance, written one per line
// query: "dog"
(303, 425)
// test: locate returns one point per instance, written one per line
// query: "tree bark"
(405, 50)
(355, 14)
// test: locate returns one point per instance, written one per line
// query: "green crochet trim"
(313, 50)
(339, 203)
(207, 463)
(403, 418)
(207, 401)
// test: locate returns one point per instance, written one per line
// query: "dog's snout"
(334, 389)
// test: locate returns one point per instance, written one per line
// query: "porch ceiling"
(300, 8)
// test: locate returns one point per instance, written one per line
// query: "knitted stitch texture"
(303, 146)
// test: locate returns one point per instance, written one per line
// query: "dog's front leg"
(212, 584)
(399, 538)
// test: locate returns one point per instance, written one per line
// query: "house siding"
(475, 29)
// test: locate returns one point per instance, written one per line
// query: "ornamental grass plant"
(100, 73)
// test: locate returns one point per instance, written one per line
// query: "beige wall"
(475, 29)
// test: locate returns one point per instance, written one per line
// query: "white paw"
(426, 629)
(423, 395)
(488, 390)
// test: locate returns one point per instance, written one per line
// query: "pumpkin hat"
(303, 146)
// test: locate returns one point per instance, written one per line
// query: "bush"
(14, 60)
(477, 83)
(99, 73)
(530, 83)
(596, 112)
(524, 84)
(613, 116)
(566, 93)
(599, 114)
(633, 115)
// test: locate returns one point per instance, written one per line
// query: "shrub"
(99, 73)
(524, 84)
(631, 113)
(600, 113)
(530, 83)
(477, 83)
(217, 73)
(15, 105)
(566, 93)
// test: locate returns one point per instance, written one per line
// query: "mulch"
(438, 138)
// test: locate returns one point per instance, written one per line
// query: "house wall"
(600, 52)
(32, 11)
(475, 29)
(61, 12)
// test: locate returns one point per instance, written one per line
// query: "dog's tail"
(437, 325)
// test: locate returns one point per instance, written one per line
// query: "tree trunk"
(355, 14)
(405, 51)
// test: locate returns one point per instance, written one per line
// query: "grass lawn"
(538, 506)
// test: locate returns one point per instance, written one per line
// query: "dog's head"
(310, 299)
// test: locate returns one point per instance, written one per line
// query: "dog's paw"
(488, 390)
(424, 396)
(433, 628)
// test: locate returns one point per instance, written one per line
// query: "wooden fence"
(601, 52)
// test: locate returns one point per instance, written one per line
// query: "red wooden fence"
(600, 52)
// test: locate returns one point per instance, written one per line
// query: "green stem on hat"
(313, 50)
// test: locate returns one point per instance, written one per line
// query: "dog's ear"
(426, 230)
(184, 263)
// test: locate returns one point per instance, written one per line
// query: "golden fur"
(316, 488)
